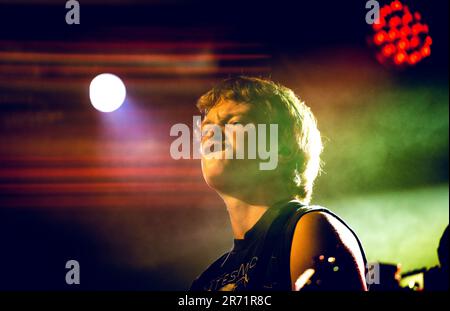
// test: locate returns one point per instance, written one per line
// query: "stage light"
(425, 51)
(380, 37)
(393, 34)
(402, 39)
(395, 21)
(403, 44)
(107, 92)
(415, 41)
(396, 5)
(407, 18)
(400, 58)
(388, 50)
(386, 10)
(405, 31)
(417, 16)
(414, 58)
(417, 29)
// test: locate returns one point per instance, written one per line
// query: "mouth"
(223, 149)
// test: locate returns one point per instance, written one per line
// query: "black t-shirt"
(260, 261)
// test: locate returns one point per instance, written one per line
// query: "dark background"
(102, 189)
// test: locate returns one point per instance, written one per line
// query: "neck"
(244, 215)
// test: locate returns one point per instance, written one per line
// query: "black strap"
(289, 214)
(273, 236)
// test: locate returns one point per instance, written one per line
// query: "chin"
(216, 175)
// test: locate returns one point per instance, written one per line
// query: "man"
(280, 243)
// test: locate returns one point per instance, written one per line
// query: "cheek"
(212, 166)
(235, 143)
(246, 146)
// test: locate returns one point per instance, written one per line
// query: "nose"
(207, 134)
(210, 130)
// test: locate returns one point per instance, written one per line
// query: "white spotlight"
(107, 92)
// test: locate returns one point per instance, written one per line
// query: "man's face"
(222, 174)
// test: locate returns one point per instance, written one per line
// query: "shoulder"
(319, 233)
(327, 231)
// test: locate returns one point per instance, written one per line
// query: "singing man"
(281, 242)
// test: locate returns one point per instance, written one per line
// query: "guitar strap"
(274, 236)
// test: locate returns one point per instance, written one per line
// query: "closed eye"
(235, 121)
(205, 123)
